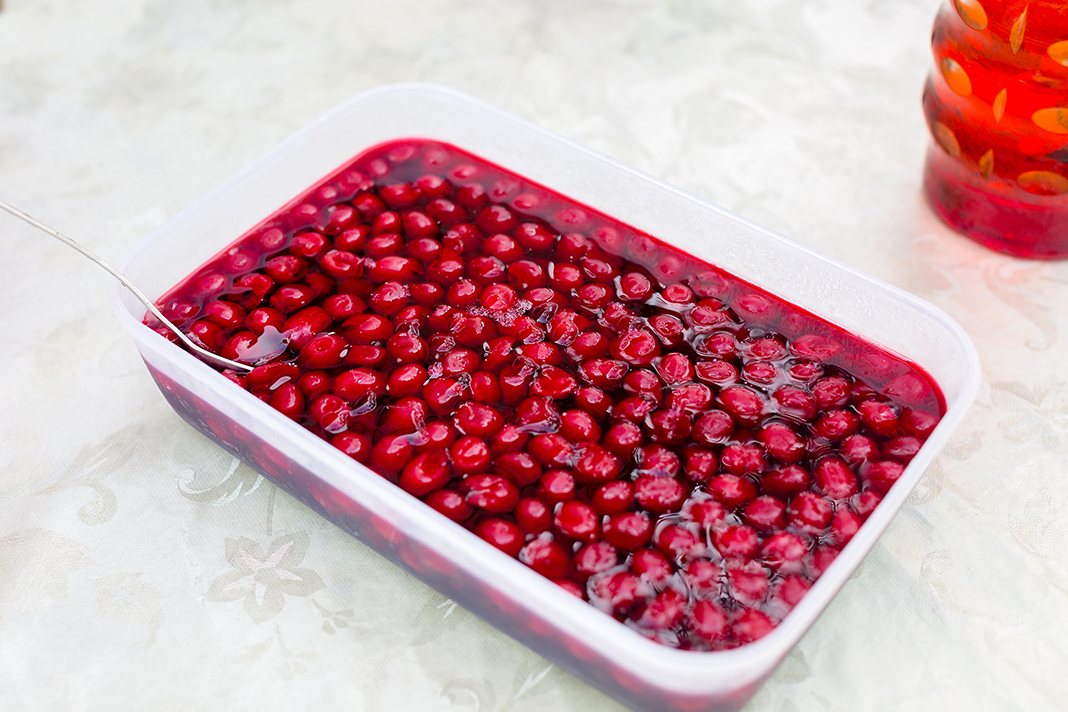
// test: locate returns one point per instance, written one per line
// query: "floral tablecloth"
(141, 567)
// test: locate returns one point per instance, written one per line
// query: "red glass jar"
(997, 107)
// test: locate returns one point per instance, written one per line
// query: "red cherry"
(502, 534)
(450, 503)
(736, 542)
(577, 520)
(732, 490)
(751, 625)
(355, 445)
(882, 475)
(557, 486)
(834, 478)
(520, 467)
(708, 622)
(664, 612)
(533, 516)
(470, 454)
(549, 558)
(613, 497)
(628, 530)
(765, 513)
(809, 512)
(651, 566)
(615, 593)
(595, 558)
(679, 542)
(425, 473)
(491, 493)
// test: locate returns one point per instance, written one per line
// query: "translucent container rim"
(686, 671)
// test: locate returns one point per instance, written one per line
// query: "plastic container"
(530, 608)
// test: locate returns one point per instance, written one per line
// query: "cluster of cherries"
(671, 444)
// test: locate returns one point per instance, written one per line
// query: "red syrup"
(680, 448)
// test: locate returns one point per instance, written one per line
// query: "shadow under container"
(532, 609)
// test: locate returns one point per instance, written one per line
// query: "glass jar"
(996, 103)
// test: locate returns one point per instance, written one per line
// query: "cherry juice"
(680, 448)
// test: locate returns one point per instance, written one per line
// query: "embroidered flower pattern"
(264, 578)
(1040, 412)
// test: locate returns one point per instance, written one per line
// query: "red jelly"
(684, 450)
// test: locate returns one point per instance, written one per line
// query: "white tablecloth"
(121, 585)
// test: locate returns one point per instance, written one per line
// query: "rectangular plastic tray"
(528, 607)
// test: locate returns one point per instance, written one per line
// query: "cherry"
(496, 219)
(679, 542)
(478, 419)
(470, 454)
(712, 428)
(520, 467)
(594, 464)
(706, 513)
(699, 464)
(732, 490)
(502, 534)
(425, 473)
(748, 582)
(579, 425)
(902, 449)
(286, 269)
(837, 424)
(663, 612)
(765, 513)
(391, 453)
(628, 530)
(809, 512)
(708, 622)
(558, 486)
(857, 449)
(844, 525)
(533, 516)
(785, 552)
(614, 593)
(594, 401)
(451, 504)
(831, 392)
(595, 558)
(668, 329)
(577, 520)
(355, 445)
(546, 556)
(588, 345)
(879, 417)
(834, 478)
(623, 438)
(659, 494)
(637, 348)
(613, 497)
(489, 492)
(917, 422)
(736, 542)
(288, 400)
(882, 475)
(652, 566)
(751, 625)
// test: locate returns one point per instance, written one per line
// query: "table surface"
(116, 519)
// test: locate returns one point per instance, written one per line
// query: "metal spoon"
(204, 354)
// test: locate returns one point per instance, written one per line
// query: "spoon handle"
(203, 353)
